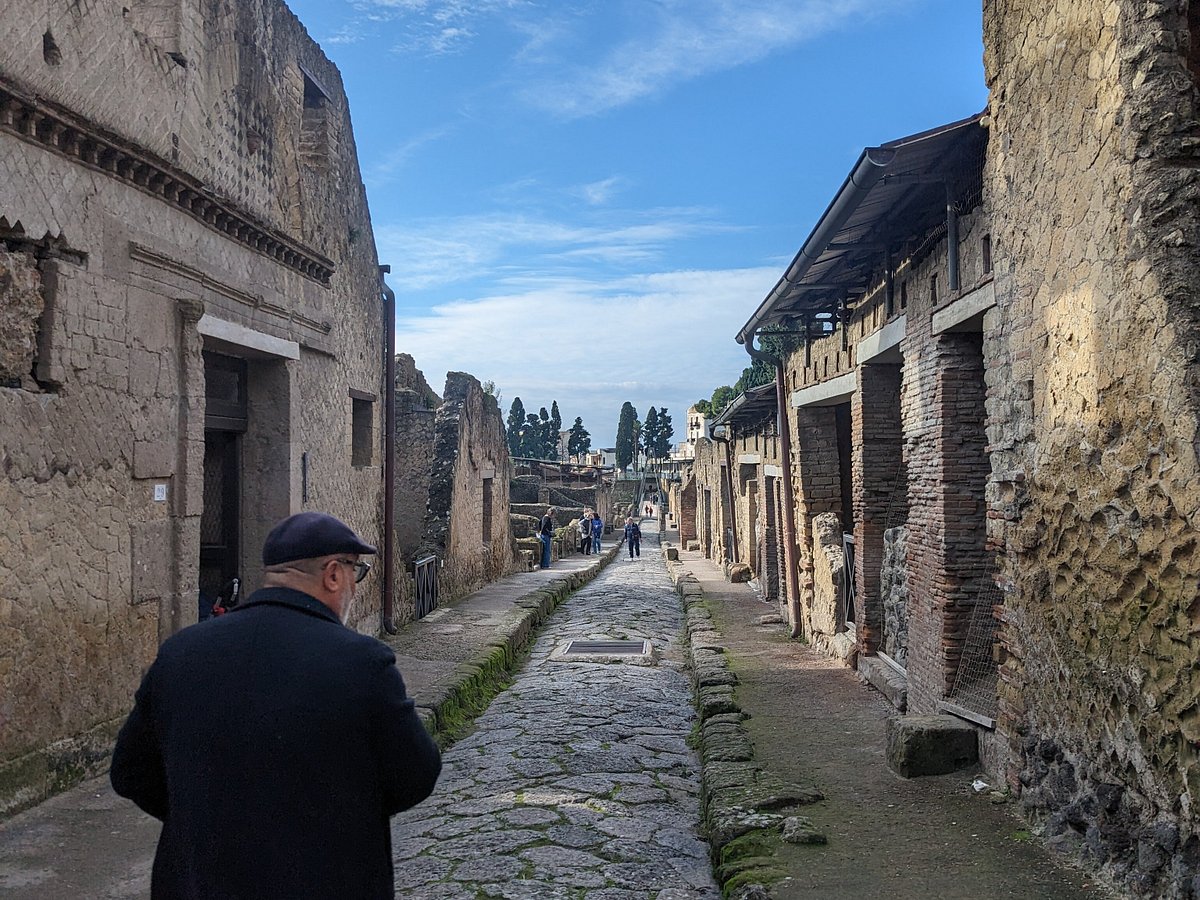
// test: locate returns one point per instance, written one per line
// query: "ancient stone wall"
(894, 594)
(162, 214)
(414, 462)
(827, 616)
(1093, 431)
(467, 524)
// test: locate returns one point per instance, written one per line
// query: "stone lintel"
(245, 339)
(883, 346)
(966, 313)
(827, 393)
(749, 459)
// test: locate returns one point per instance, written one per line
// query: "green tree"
(649, 434)
(626, 438)
(489, 388)
(580, 442)
(531, 442)
(548, 445)
(721, 398)
(665, 433)
(703, 407)
(514, 424)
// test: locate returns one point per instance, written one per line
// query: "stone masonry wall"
(152, 205)
(1094, 413)
(894, 594)
(469, 449)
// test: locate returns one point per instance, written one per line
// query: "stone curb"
(452, 702)
(744, 808)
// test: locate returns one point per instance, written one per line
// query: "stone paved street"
(578, 780)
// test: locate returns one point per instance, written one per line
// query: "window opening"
(361, 432)
(904, 295)
(933, 294)
(50, 52)
(487, 510)
(986, 248)
(314, 126)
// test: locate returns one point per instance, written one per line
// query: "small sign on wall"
(160, 493)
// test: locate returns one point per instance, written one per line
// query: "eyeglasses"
(360, 568)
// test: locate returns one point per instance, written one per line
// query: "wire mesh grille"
(976, 680)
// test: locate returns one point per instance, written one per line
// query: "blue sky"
(583, 201)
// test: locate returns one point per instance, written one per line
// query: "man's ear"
(331, 576)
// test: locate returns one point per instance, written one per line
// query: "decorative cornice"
(143, 254)
(39, 122)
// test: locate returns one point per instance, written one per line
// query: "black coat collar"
(293, 599)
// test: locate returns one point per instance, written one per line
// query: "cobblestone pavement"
(578, 781)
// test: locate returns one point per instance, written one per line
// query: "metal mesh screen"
(976, 680)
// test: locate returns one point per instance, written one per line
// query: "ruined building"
(992, 409)
(191, 341)
(454, 482)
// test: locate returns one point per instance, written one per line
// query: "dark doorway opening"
(220, 520)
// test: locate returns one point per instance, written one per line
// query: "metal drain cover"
(609, 648)
(632, 653)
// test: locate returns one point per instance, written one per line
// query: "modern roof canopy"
(749, 408)
(896, 192)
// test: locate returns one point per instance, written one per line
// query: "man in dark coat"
(273, 742)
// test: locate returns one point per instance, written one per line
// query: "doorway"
(225, 419)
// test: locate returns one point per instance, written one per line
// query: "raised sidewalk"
(797, 796)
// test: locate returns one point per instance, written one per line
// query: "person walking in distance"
(597, 531)
(585, 533)
(273, 742)
(546, 535)
(633, 537)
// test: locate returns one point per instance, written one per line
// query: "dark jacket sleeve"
(137, 764)
(408, 758)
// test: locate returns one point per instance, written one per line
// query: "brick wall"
(878, 472)
(816, 471)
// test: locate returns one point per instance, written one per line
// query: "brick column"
(877, 470)
(948, 563)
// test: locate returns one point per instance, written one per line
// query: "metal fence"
(425, 573)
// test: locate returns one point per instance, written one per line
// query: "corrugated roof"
(749, 408)
(889, 197)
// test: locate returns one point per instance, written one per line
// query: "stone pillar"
(877, 473)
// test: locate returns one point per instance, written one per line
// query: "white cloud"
(385, 170)
(678, 40)
(598, 193)
(428, 253)
(662, 339)
(436, 27)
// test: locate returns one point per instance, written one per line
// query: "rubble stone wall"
(1094, 424)
(894, 594)
(828, 617)
(470, 457)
